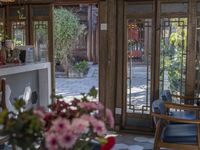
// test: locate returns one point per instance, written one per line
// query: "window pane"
(41, 11)
(1, 31)
(41, 40)
(173, 54)
(139, 8)
(197, 92)
(19, 33)
(139, 65)
(198, 7)
(17, 12)
(174, 7)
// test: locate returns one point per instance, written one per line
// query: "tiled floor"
(133, 142)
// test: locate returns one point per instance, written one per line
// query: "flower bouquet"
(76, 125)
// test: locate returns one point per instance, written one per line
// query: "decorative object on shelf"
(78, 124)
(9, 46)
(26, 54)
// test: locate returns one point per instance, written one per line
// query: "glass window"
(198, 7)
(19, 33)
(41, 40)
(173, 47)
(197, 93)
(1, 31)
(41, 11)
(174, 7)
(139, 34)
(139, 8)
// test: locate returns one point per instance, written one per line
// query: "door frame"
(124, 113)
(155, 60)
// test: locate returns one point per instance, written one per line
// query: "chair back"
(166, 95)
(158, 106)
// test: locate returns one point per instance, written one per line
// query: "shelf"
(15, 69)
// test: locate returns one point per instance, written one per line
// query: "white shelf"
(23, 68)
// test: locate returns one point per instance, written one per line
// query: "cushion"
(180, 133)
(191, 115)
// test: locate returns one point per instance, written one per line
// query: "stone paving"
(72, 87)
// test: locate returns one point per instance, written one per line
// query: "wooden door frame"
(126, 17)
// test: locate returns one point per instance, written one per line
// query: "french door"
(155, 57)
(138, 64)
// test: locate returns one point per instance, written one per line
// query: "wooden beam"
(119, 57)
(89, 34)
(156, 53)
(74, 2)
(29, 2)
(52, 53)
(103, 51)
(191, 52)
(111, 55)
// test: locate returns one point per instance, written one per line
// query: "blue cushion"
(191, 115)
(180, 133)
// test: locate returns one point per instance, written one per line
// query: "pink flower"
(99, 128)
(60, 125)
(91, 105)
(51, 142)
(67, 140)
(89, 118)
(80, 125)
(49, 116)
(40, 112)
(110, 118)
(99, 106)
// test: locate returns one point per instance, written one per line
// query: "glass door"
(138, 64)
(139, 44)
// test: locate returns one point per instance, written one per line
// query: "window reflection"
(19, 33)
(41, 40)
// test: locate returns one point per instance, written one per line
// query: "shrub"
(81, 67)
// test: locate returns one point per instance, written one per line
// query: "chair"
(183, 136)
(168, 98)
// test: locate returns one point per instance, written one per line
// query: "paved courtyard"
(72, 87)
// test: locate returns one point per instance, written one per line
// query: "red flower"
(110, 143)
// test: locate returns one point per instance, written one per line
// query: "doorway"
(138, 64)
(156, 54)
(78, 72)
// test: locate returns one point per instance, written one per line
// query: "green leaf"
(19, 103)
(93, 92)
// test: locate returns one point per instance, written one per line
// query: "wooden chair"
(182, 136)
(168, 98)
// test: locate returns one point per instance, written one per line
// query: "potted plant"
(74, 125)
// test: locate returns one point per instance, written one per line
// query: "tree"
(67, 29)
